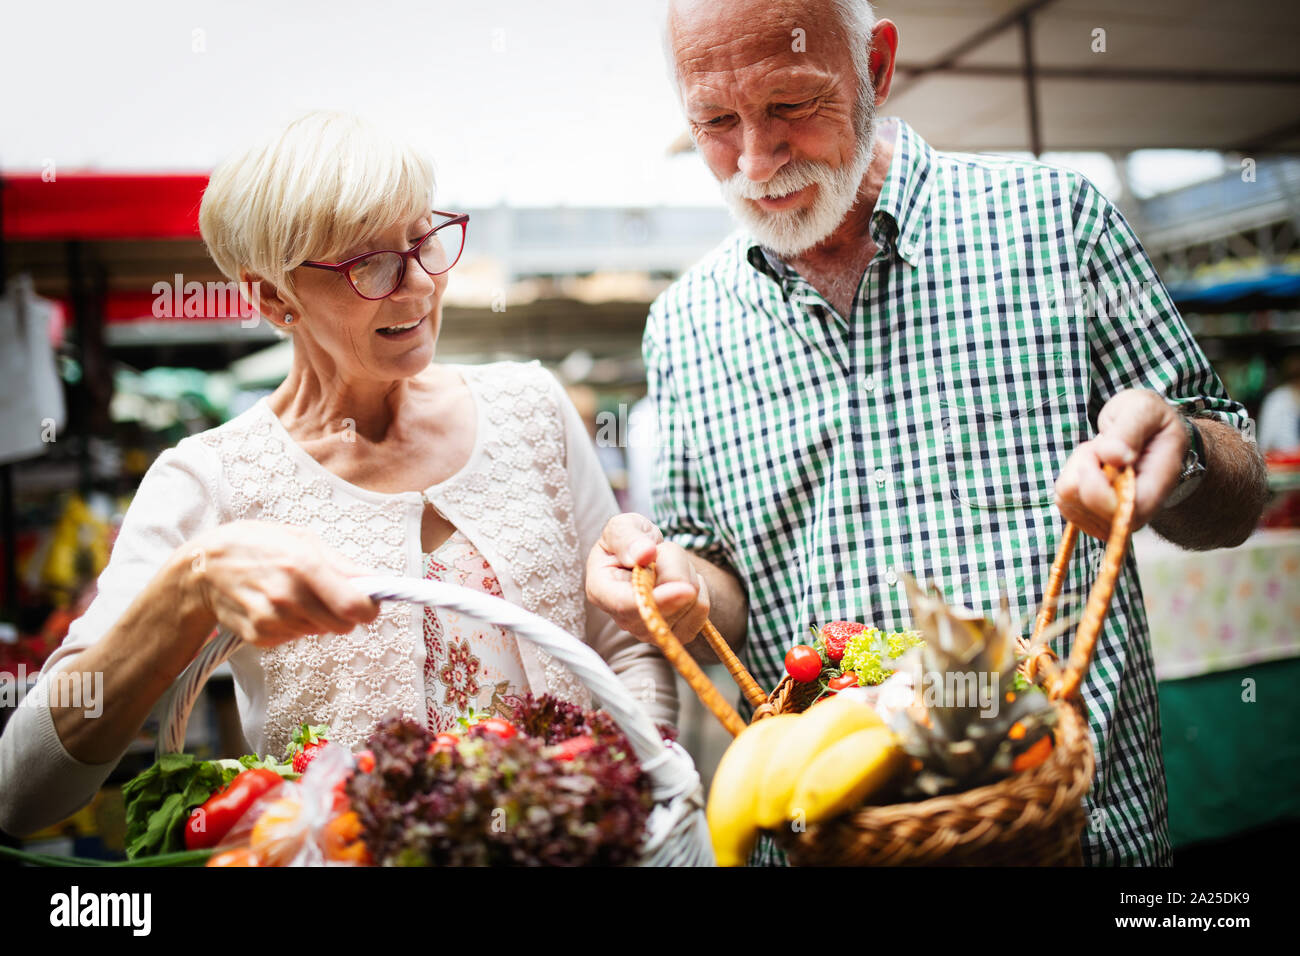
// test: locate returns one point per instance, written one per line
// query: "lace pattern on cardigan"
(521, 500)
(521, 482)
(349, 681)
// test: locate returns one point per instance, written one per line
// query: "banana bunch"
(803, 768)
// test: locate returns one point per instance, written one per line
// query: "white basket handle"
(675, 783)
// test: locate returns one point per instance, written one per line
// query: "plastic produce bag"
(31, 395)
(301, 823)
(890, 698)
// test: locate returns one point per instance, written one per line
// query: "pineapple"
(970, 717)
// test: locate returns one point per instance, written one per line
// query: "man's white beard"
(790, 233)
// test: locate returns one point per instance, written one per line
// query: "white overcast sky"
(528, 102)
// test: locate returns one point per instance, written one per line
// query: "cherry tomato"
(341, 803)
(443, 741)
(571, 748)
(803, 663)
(498, 727)
(366, 761)
(844, 681)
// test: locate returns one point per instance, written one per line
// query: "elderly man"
(909, 361)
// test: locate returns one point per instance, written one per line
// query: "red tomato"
(803, 663)
(498, 727)
(366, 761)
(340, 803)
(571, 748)
(443, 741)
(844, 681)
(208, 824)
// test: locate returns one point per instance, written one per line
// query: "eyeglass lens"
(378, 275)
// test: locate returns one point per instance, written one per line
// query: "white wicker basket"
(676, 831)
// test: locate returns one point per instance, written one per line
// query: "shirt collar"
(899, 220)
(905, 195)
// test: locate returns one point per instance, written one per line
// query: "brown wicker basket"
(1030, 818)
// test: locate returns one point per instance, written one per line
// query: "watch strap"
(1193, 466)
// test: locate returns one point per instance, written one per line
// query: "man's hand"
(1136, 427)
(629, 541)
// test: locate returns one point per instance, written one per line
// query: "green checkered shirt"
(820, 456)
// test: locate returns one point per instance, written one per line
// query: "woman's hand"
(270, 583)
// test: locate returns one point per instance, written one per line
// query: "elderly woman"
(369, 458)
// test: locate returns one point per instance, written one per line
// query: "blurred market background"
(554, 126)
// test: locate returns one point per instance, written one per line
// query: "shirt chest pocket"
(1006, 437)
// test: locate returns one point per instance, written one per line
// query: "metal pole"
(11, 543)
(4, 264)
(1031, 85)
(947, 60)
(79, 412)
(8, 516)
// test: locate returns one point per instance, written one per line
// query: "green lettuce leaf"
(159, 800)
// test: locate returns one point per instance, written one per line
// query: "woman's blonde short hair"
(327, 183)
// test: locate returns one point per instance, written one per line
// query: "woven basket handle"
(1042, 657)
(643, 583)
(1065, 684)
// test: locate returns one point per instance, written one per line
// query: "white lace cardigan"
(532, 498)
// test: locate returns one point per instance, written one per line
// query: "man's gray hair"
(858, 19)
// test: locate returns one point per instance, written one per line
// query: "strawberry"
(835, 636)
(305, 756)
(307, 740)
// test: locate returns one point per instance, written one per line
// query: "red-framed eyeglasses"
(378, 274)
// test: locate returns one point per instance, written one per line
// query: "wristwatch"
(1193, 466)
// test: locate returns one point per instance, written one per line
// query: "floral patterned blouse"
(468, 664)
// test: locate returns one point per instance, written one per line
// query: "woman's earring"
(288, 319)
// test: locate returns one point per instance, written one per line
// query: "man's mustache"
(790, 178)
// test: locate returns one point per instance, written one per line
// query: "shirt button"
(869, 384)
(891, 578)
(880, 476)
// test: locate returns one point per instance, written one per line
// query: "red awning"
(102, 206)
(119, 207)
(172, 305)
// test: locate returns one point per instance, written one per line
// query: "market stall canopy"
(1108, 75)
(1276, 288)
(121, 254)
(102, 206)
(1095, 75)
(135, 229)
(127, 247)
